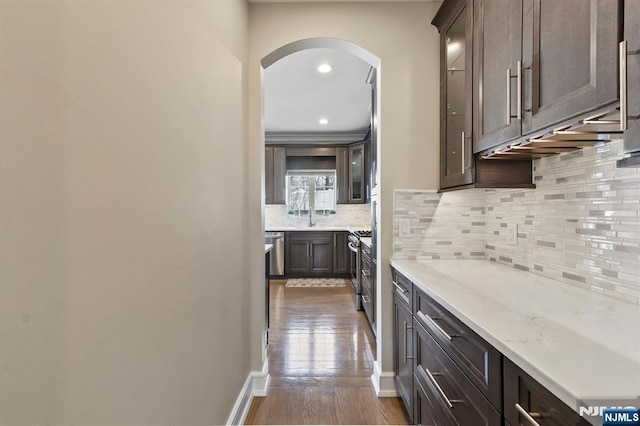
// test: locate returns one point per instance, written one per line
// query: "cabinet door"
(632, 36)
(297, 254)
(403, 353)
(268, 175)
(456, 86)
(570, 60)
(451, 389)
(321, 256)
(356, 174)
(341, 253)
(279, 172)
(497, 51)
(342, 174)
(524, 396)
(367, 171)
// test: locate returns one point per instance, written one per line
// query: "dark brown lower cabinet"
(457, 401)
(367, 277)
(425, 410)
(447, 375)
(308, 253)
(341, 253)
(478, 360)
(524, 397)
(316, 253)
(403, 353)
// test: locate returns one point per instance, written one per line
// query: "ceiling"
(297, 96)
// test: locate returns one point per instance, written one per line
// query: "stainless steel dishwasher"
(276, 264)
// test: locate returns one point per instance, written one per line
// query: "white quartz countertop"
(316, 228)
(267, 248)
(578, 344)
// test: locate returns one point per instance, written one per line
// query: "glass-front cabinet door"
(456, 125)
(356, 174)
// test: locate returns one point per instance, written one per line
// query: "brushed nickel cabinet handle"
(624, 96)
(528, 416)
(463, 139)
(365, 273)
(518, 78)
(440, 391)
(508, 96)
(623, 85)
(399, 287)
(519, 91)
(427, 318)
(406, 327)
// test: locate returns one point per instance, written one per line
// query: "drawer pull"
(432, 321)
(365, 273)
(528, 416)
(406, 327)
(433, 381)
(398, 287)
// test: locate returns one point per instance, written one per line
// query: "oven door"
(355, 275)
(354, 266)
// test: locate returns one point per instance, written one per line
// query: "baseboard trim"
(257, 384)
(383, 382)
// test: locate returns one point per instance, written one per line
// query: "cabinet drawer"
(535, 400)
(427, 411)
(403, 288)
(480, 361)
(457, 399)
(311, 236)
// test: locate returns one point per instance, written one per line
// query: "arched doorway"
(315, 43)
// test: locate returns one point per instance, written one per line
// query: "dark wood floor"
(321, 353)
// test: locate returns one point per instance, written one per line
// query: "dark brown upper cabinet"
(342, 175)
(275, 169)
(541, 62)
(631, 70)
(455, 92)
(459, 168)
(357, 173)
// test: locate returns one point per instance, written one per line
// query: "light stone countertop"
(267, 248)
(578, 344)
(318, 228)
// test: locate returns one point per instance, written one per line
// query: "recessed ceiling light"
(323, 121)
(325, 68)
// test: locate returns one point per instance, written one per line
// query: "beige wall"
(122, 177)
(407, 45)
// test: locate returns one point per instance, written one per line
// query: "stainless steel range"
(356, 283)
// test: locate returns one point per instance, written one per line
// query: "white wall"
(122, 192)
(400, 35)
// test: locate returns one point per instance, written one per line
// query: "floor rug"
(316, 282)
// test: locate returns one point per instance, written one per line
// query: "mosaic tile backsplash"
(356, 216)
(581, 225)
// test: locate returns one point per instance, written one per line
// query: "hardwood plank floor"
(321, 354)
